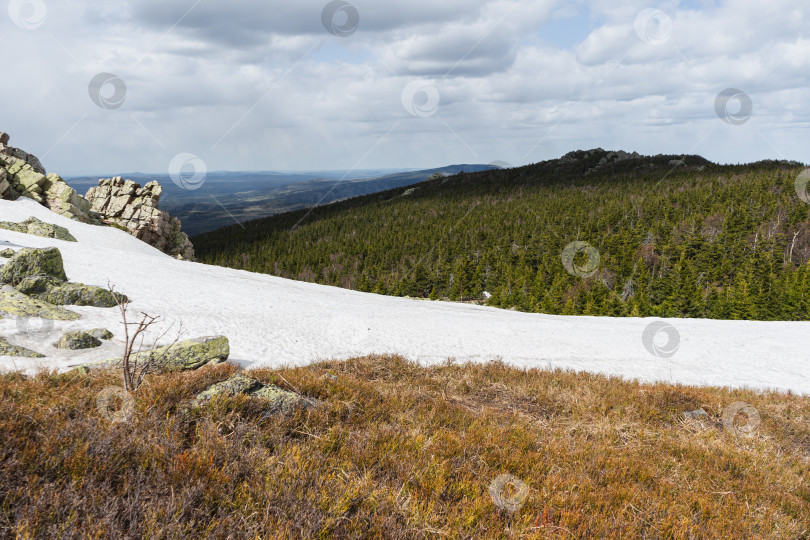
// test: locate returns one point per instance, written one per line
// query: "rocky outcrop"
(128, 205)
(124, 204)
(279, 401)
(38, 227)
(22, 174)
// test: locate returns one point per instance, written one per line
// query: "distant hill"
(674, 236)
(226, 198)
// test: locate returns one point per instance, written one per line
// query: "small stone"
(77, 340)
(7, 253)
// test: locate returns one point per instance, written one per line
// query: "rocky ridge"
(123, 204)
(126, 204)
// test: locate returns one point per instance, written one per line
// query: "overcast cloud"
(262, 84)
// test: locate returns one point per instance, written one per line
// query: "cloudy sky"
(126, 85)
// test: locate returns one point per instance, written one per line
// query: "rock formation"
(22, 174)
(135, 208)
(115, 202)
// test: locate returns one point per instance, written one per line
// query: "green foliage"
(703, 240)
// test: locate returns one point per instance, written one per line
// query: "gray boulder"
(77, 340)
(278, 400)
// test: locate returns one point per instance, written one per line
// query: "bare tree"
(136, 362)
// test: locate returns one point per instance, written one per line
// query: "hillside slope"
(273, 321)
(668, 236)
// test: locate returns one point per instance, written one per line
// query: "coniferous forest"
(668, 236)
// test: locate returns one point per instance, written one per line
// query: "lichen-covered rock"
(188, 355)
(279, 401)
(236, 385)
(7, 253)
(16, 304)
(77, 340)
(78, 294)
(40, 273)
(36, 285)
(7, 349)
(37, 227)
(63, 199)
(101, 333)
(127, 205)
(33, 262)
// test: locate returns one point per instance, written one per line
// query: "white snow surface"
(272, 321)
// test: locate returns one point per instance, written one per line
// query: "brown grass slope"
(399, 451)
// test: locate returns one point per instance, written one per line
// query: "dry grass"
(400, 451)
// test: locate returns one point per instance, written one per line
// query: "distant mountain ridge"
(594, 232)
(227, 198)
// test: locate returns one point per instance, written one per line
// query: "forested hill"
(669, 236)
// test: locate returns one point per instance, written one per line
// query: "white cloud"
(262, 85)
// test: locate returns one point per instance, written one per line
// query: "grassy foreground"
(401, 451)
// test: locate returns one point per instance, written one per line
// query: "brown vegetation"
(400, 451)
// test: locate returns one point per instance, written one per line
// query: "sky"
(103, 88)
